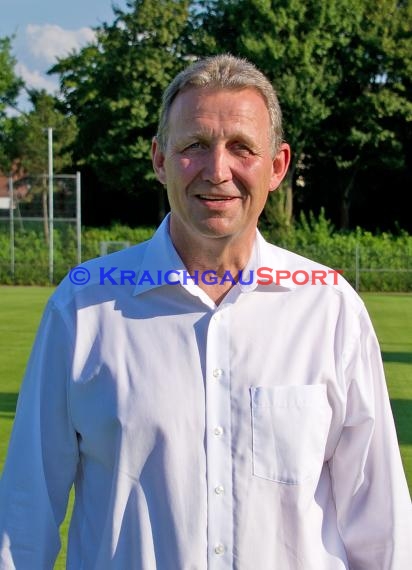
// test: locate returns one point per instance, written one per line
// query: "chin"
(216, 229)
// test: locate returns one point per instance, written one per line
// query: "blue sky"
(45, 29)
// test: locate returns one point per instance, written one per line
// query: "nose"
(217, 169)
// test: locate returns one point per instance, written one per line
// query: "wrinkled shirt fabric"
(252, 435)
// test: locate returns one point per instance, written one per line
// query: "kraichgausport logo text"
(80, 275)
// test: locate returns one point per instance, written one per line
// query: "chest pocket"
(290, 428)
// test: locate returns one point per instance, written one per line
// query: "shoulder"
(98, 279)
(300, 273)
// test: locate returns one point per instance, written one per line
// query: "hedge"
(384, 260)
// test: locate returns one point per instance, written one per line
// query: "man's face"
(217, 165)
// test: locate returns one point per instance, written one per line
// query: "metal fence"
(365, 268)
(36, 210)
(41, 240)
(30, 265)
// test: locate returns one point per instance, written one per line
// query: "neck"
(217, 254)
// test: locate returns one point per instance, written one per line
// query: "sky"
(46, 29)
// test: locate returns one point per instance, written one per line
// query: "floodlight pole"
(79, 218)
(51, 211)
(12, 245)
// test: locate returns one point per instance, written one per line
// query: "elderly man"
(218, 402)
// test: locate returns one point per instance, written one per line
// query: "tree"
(290, 41)
(366, 133)
(114, 89)
(342, 70)
(28, 145)
(336, 66)
(10, 86)
(30, 140)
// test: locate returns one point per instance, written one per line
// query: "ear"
(280, 166)
(158, 161)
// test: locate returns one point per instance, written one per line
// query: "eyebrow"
(205, 135)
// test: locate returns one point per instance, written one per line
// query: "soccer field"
(21, 308)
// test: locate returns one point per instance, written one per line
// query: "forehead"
(197, 105)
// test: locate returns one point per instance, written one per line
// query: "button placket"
(218, 444)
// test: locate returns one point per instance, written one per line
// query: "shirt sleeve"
(42, 456)
(372, 499)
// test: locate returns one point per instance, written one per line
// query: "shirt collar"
(266, 258)
(161, 257)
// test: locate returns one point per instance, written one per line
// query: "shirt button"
(218, 431)
(216, 317)
(217, 372)
(219, 549)
(219, 490)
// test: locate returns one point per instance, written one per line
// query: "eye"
(242, 149)
(196, 145)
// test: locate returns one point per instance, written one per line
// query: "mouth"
(209, 198)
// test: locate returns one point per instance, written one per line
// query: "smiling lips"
(209, 198)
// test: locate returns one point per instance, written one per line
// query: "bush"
(380, 262)
(32, 253)
(384, 261)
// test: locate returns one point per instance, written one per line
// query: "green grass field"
(20, 312)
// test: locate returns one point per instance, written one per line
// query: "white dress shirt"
(253, 435)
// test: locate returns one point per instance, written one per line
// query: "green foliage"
(384, 260)
(25, 145)
(93, 236)
(32, 254)
(30, 142)
(372, 103)
(114, 88)
(6, 141)
(294, 44)
(10, 86)
(342, 70)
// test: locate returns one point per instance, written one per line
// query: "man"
(212, 412)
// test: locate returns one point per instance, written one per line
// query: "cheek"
(256, 179)
(182, 168)
(261, 170)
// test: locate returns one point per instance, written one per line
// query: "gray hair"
(222, 72)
